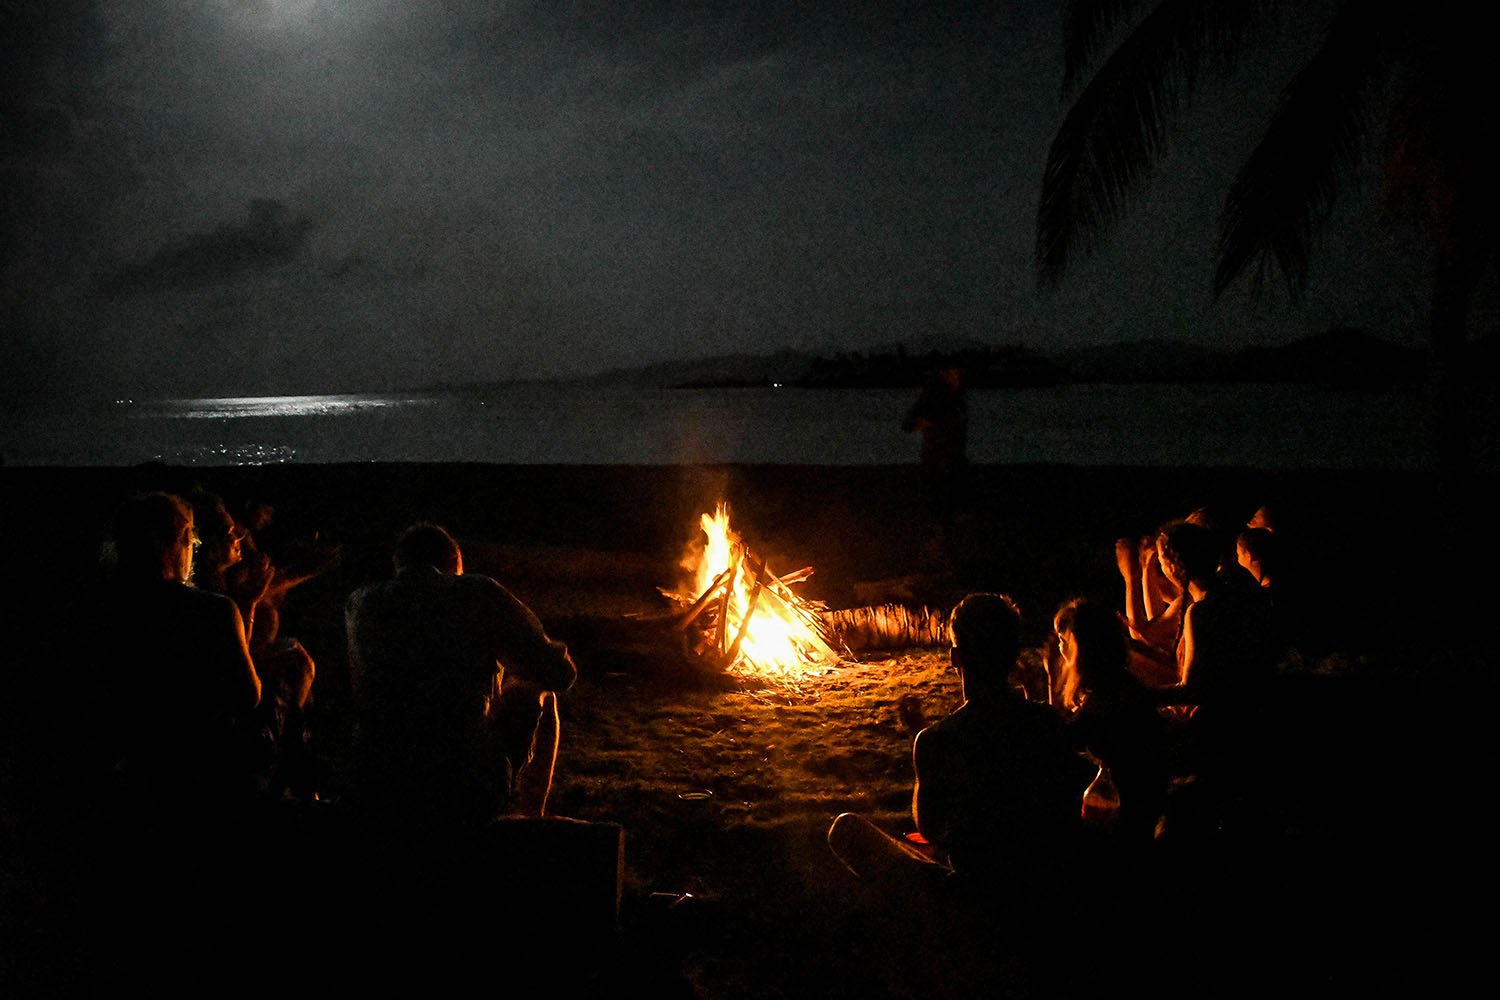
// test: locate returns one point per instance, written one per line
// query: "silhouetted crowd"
(1138, 728)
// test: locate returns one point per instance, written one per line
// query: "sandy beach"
(725, 786)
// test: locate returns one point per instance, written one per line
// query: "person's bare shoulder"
(202, 604)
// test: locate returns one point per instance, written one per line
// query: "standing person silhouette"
(941, 415)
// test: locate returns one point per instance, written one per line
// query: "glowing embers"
(740, 616)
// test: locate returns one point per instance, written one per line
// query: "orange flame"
(767, 628)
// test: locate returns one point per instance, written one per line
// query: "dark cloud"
(269, 236)
(541, 188)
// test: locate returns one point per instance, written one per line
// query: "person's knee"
(843, 828)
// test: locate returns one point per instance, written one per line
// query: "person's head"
(426, 544)
(1094, 654)
(1188, 552)
(1262, 518)
(220, 536)
(151, 536)
(1202, 516)
(986, 634)
(1255, 549)
(954, 376)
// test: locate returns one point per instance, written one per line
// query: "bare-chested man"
(998, 783)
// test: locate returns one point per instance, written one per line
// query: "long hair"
(144, 532)
(1190, 548)
(1101, 656)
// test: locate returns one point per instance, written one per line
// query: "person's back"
(1010, 784)
(1227, 671)
(428, 650)
(1231, 654)
(1112, 716)
(174, 678)
(423, 655)
(179, 664)
(998, 783)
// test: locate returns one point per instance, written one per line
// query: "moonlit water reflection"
(231, 407)
(1254, 426)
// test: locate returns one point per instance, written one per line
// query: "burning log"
(692, 613)
(887, 626)
(743, 616)
(738, 615)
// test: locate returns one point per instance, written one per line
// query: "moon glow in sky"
(301, 196)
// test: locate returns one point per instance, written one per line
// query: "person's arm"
(237, 662)
(1128, 561)
(928, 810)
(1157, 592)
(1154, 650)
(1185, 690)
(1161, 632)
(524, 648)
(247, 585)
(1187, 646)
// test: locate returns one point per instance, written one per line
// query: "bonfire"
(739, 615)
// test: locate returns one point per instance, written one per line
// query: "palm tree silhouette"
(1422, 69)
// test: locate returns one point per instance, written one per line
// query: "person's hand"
(303, 674)
(1126, 557)
(307, 560)
(252, 577)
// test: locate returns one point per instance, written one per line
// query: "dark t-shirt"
(1006, 778)
(428, 653)
(1126, 733)
(174, 687)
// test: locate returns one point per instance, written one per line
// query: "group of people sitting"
(200, 747)
(455, 682)
(214, 723)
(1143, 727)
(1140, 729)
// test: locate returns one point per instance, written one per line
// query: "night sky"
(275, 196)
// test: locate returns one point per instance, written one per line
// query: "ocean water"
(1251, 426)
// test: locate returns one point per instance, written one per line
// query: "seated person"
(1263, 554)
(1255, 550)
(1131, 556)
(1154, 610)
(227, 562)
(175, 676)
(455, 694)
(1224, 647)
(998, 784)
(1112, 716)
(1225, 662)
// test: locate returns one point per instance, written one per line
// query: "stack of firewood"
(715, 626)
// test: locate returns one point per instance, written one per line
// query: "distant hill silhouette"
(1338, 357)
(1341, 356)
